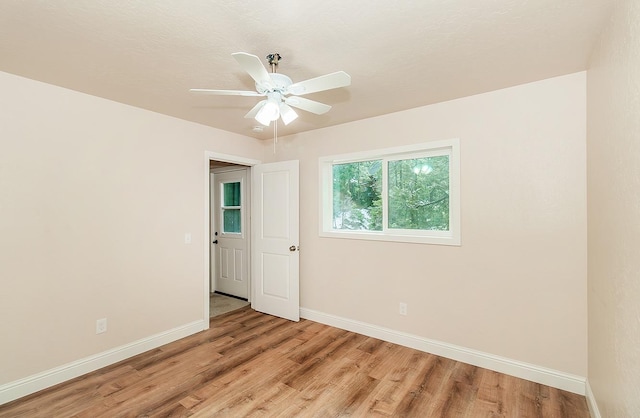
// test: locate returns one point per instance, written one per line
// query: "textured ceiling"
(400, 54)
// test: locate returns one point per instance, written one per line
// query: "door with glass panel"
(231, 233)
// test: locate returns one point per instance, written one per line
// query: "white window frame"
(223, 208)
(450, 147)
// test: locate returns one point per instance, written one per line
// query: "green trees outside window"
(357, 189)
(417, 194)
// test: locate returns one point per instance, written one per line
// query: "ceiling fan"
(280, 91)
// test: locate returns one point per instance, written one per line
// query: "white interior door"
(231, 233)
(275, 253)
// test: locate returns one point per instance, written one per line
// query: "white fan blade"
(253, 66)
(308, 105)
(254, 111)
(227, 92)
(324, 82)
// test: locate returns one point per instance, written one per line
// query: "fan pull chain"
(275, 135)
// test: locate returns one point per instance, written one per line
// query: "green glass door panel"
(232, 208)
(231, 194)
(231, 221)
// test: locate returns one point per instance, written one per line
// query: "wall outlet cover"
(101, 326)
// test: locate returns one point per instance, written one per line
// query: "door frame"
(208, 157)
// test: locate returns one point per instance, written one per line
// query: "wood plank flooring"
(254, 365)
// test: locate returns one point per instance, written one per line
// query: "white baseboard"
(553, 378)
(591, 402)
(549, 377)
(19, 388)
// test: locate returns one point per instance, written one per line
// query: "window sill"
(445, 239)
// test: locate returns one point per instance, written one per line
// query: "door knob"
(215, 242)
(293, 248)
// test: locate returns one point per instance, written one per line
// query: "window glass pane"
(231, 220)
(231, 194)
(419, 193)
(357, 202)
(421, 199)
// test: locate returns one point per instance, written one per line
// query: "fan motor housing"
(279, 83)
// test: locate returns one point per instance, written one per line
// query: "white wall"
(614, 214)
(95, 199)
(517, 286)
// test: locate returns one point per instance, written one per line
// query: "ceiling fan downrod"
(273, 60)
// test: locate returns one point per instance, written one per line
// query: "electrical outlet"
(403, 308)
(101, 325)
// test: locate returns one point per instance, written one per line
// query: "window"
(407, 194)
(231, 208)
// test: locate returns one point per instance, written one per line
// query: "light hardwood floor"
(251, 364)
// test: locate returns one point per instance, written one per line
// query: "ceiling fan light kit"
(281, 92)
(287, 114)
(269, 111)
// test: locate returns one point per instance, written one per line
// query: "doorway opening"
(273, 246)
(215, 165)
(229, 283)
